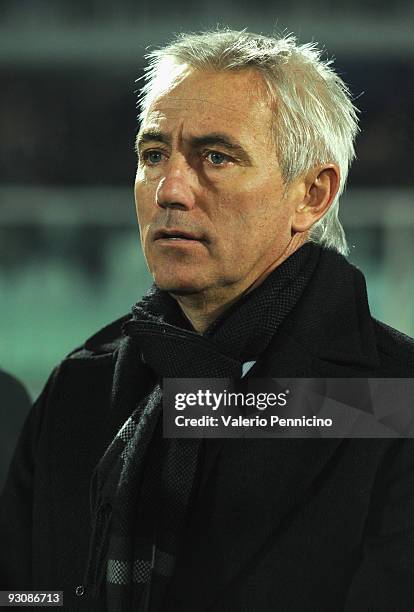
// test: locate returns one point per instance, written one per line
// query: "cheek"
(144, 192)
(251, 208)
(252, 221)
(144, 209)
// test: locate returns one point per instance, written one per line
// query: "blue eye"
(217, 158)
(153, 157)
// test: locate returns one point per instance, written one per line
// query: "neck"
(204, 308)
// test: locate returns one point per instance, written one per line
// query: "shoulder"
(91, 363)
(81, 384)
(103, 343)
(396, 350)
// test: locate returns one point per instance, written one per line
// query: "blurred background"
(70, 259)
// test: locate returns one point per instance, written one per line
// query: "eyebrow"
(151, 136)
(217, 138)
(210, 139)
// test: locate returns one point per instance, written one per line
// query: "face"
(211, 204)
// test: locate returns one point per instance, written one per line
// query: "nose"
(176, 187)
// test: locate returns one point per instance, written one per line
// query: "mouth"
(174, 235)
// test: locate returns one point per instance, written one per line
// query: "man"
(243, 150)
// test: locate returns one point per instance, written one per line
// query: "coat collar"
(331, 327)
(329, 334)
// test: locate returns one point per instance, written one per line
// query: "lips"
(176, 234)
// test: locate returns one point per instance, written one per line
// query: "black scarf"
(143, 486)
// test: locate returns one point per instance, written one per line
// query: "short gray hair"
(315, 119)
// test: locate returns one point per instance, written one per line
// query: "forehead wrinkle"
(255, 95)
(182, 104)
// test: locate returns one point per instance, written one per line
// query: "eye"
(216, 158)
(152, 157)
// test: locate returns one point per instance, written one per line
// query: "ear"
(320, 185)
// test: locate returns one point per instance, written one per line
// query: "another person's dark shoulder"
(14, 406)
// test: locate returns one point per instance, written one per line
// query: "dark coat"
(293, 525)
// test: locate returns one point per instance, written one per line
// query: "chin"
(177, 286)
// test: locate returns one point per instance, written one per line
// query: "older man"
(243, 150)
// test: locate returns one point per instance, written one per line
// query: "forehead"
(214, 101)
